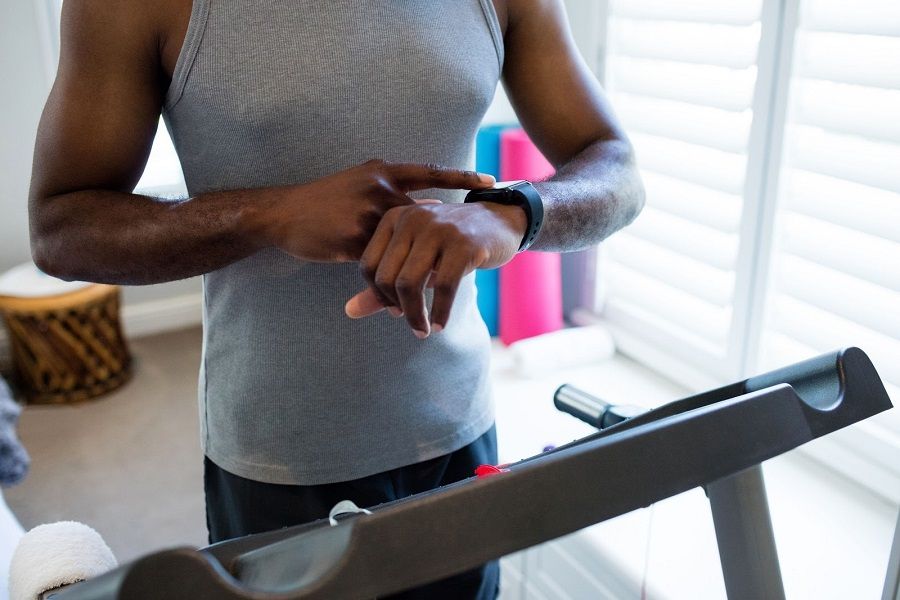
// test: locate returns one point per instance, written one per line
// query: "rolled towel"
(14, 459)
(54, 555)
(566, 348)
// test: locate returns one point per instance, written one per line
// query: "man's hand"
(332, 219)
(433, 245)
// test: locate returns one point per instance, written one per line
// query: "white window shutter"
(835, 278)
(683, 78)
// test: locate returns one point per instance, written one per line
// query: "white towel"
(57, 554)
(566, 348)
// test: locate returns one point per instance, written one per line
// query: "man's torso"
(268, 93)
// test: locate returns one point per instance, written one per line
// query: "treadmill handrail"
(446, 531)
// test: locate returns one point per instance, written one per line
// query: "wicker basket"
(70, 347)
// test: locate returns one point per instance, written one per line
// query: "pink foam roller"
(520, 158)
(530, 296)
(531, 283)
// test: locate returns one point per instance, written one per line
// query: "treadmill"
(716, 439)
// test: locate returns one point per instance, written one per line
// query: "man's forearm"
(591, 197)
(115, 237)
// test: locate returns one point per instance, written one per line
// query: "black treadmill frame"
(704, 440)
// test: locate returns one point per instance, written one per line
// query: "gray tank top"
(276, 92)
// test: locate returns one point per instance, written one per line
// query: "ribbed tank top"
(277, 92)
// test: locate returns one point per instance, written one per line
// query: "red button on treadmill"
(488, 470)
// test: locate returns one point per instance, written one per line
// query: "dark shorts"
(236, 507)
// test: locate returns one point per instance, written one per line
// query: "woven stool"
(68, 347)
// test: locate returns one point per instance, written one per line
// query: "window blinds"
(682, 77)
(835, 278)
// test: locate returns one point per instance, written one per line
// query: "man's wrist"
(258, 220)
(514, 219)
(514, 216)
(520, 194)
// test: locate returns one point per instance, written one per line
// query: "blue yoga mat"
(487, 160)
(487, 282)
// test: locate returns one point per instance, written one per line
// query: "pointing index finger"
(413, 177)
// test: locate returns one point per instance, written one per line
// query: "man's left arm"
(595, 191)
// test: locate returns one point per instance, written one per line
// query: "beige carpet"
(128, 464)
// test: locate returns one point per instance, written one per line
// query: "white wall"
(24, 89)
(24, 74)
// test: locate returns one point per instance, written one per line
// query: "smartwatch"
(515, 193)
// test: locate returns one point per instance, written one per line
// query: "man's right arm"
(93, 141)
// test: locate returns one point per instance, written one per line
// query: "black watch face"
(492, 195)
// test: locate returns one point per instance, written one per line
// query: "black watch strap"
(516, 193)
